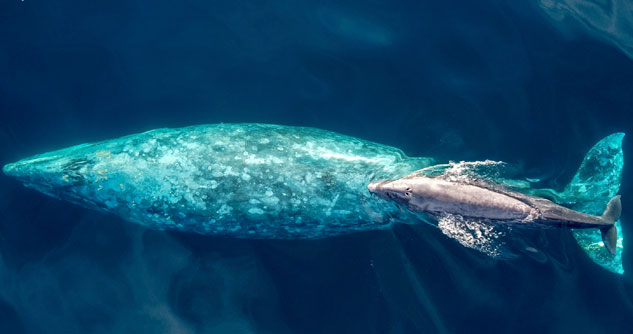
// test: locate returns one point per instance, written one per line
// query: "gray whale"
(263, 181)
(237, 180)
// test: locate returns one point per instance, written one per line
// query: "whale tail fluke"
(611, 214)
(610, 238)
(614, 209)
(596, 184)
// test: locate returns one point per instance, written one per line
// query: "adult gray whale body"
(237, 180)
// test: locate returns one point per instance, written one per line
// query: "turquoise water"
(534, 85)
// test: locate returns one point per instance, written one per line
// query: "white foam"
(473, 234)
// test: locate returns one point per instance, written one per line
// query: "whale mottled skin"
(437, 196)
(237, 180)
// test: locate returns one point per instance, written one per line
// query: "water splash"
(487, 173)
(477, 234)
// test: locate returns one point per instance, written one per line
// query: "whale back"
(239, 180)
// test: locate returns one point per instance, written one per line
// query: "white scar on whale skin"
(238, 180)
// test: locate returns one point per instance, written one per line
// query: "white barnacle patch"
(190, 145)
(256, 211)
(252, 160)
(147, 146)
(168, 159)
(309, 177)
(228, 171)
(111, 204)
(224, 210)
(103, 154)
(271, 200)
(141, 164)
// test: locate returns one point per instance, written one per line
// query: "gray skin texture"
(235, 180)
(436, 196)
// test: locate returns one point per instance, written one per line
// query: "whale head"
(392, 190)
(58, 174)
(417, 193)
(38, 171)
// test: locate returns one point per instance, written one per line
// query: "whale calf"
(478, 200)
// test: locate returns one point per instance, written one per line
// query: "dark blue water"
(533, 84)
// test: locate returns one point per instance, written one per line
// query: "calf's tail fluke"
(611, 215)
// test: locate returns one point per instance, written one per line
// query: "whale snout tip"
(31, 168)
(373, 186)
(376, 187)
(15, 169)
(391, 190)
(8, 169)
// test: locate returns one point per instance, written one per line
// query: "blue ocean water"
(534, 84)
